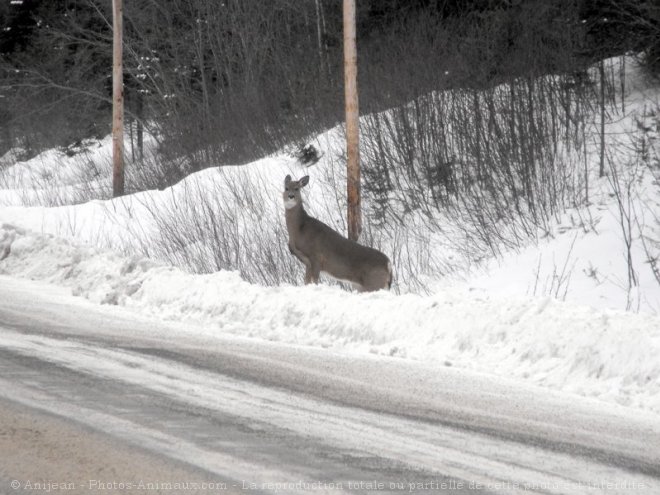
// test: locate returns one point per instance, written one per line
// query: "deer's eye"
(297, 188)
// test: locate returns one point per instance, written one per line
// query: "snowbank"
(608, 355)
(602, 254)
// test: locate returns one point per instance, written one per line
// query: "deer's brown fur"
(321, 249)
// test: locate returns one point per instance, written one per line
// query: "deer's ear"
(304, 181)
(287, 179)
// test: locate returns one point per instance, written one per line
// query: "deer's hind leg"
(358, 287)
(376, 280)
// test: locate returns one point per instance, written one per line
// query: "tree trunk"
(117, 101)
(319, 38)
(352, 122)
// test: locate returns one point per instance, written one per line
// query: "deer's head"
(291, 194)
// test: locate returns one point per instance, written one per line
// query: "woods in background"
(227, 82)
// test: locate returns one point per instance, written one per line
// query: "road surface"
(95, 399)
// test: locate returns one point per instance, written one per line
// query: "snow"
(366, 408)
(551, 314)
(434, 447)
(585, 263)
(610, 355)
(583, 257)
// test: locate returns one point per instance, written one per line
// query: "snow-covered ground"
(610, 355)
(267, 412)
(603, 254)
(551, 314)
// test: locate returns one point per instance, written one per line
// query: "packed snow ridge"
(609, 355)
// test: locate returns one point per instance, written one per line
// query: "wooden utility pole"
(601, 71)
(117, 101)
(352, 122)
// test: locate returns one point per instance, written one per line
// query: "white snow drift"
(605, 354)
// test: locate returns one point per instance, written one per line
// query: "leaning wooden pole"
(352, 122)
(117, 101)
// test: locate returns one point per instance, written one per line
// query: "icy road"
(95, 399)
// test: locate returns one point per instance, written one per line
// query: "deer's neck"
(294, 219)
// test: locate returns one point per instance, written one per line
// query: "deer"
(323, 250)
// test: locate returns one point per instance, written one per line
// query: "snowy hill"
(550, 313)
(601, 252)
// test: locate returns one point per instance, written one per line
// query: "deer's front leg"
(308, 274)
(312, 272)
